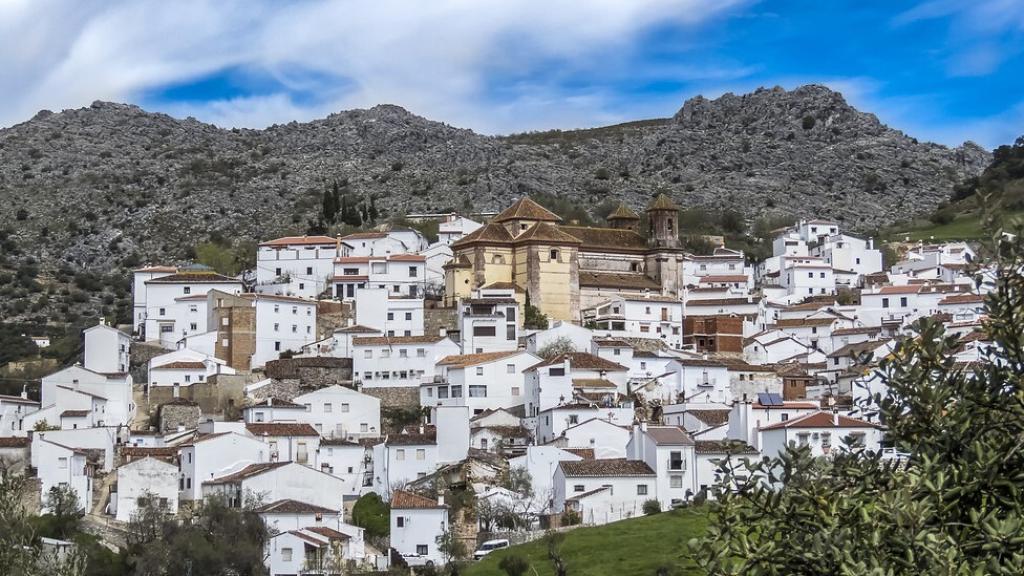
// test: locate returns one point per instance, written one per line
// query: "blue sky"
(939, 70)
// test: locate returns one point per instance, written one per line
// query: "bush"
(808, 122)
(602, 174)
(652, 507)
(513, 565)
(372, 514)
(571, 518)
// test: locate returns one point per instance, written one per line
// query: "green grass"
(636, 547)
(964, 227)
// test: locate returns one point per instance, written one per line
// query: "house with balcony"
(296, 265)
(646, 316)
(574, 376)
(390, 361)
(487, 381)
(490, 321)
(398, 274)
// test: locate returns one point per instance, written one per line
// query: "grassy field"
(965, 227)
(636, 547)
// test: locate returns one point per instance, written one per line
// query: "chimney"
(269, 401)
(421, 429)
(440, 499)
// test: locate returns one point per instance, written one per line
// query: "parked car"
(490, 546)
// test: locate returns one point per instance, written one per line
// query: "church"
(565, 268)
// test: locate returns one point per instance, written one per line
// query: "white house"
(669, 452)
(282, 323)
(480, 381)
(402, 458)
(607, 440)
(385, 361)
(603, 491)
(272, 481)
(349, 461)
(175, 307)
(139, 278)
(142, 480)
(340, 412)
(185, 367)
(540, 462)
(388, 313)
(416, 524)
(397, 240)
(401, 275)
(747, 419)
(708, 454)
(311, 550)
(807, 276)
(107, 349)
(551, 423)
(561, 379)
(579, 336)
(296, 265)
(647, 316)
(454, 227)
(118, 407)
(60, 465)
(288, 442)
(489, 324)
(824, 433)
(724, 262)
(213, 455)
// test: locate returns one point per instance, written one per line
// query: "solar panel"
(776, 399)
(769, 399)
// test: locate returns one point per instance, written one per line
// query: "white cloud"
(439, 58)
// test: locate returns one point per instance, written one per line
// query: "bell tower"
(623, 218)
(663, 223)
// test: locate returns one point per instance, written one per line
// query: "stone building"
(565, 268)
(179, 413)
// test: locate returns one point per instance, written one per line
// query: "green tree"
(955, 507)
(372, 514)
(557, 347)
(533, 318)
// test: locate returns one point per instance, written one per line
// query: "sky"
(940, 70)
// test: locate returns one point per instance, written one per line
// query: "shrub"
(652, 507)
(513, 565)
(372, 514)
(808, 122)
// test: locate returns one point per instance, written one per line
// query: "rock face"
(88, 187)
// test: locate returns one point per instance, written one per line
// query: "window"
(554, 255)
(391, 315)
(641, 489)
(277, 271)
(510, 314)
(413, 271)
(422, 550)
(616, 352)
(478, 391)
(802, 438)
(400, 454)
(479, 370)
(277, 346)
(277, 308)
(295, 328)
(484, 331)
(277, 327)
(442, 392)
(556, 371)
(385, 353)
(295, 309)
(364, 428)
(903, 301)
(574, 419)
(403, 353)
(578, 488)
(367, 354)
(421, 454)
(456, 391)
(344, 408)
(162, 311)
(400, 522)
(328, 408)
(675, 460)
(193, 308)
(286, 554)
(62, 463)
(810, 274)
(309, 270)
(885, 302)
(515, 391)
(421, 353)
(510, 368)
(675, 481)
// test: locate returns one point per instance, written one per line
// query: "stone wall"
(222, 394)
(178, 413)
(311, 373)
(437, 319)
(396, 396)
(141, 353)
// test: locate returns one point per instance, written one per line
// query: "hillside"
(110, 186)
(640, 546)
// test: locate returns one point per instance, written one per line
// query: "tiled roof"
(402, 500)
(707, 363)
(166, 453)
(274, 403)
(719, 302)
(300, 241)
(466, 360)
(247, 472)
(356, 329)
(897, 290)
(328, 532)
(171, 269)
(723, 447)
(623, 212)
(407, 258)
(589, 493)
(593, 383)
(710, 417)
(503, 286)
(963, 299)
(288, 506)
(585, 453)
(181, 366)
(804, 322)
(526, 209)
(16, 400)
(412, 440)
(663, 202)
(669, 436)
(194, 278)
(582, 361)
(14, 441)
(364, 236)
(387, 340)
(713, 278)
(651, 298)
(856, 331)
(612, 342)
(612, 239)
(281, 429)
(821, 420)
(546, 233)
(857, 348)
(617, 280)
(605, 467)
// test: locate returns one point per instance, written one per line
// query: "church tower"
(623, 218)
(663, 223)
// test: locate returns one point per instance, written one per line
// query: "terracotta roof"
(407, 258)
(274, 403)
(896, 290)
(804, 322)
(356, 329)
(723, 278)
(786, 405)
(526, 209)
(387, 340)
(352, 260)
(288, 506)
(166, 453)
(171, 269)
(466, 360)
(708, 363)
(503, 286)
(16, 400)
(963, 299)
(719, 301)
(582, 361)
(821, 420)
(710, 417)
(651, 298)
(402, 500)
(547, 233)
(617, 280)
(662, 202)
(593, 383)
(281, 429)
(605, 467)
(14, 441)
(612, 342)
(247, 472)
(588, 493)
(623, 212)
(606, 239)
(194, 278)
(493, 233)
(74, 413)
(412, 439)
(181, 366)
(585, 453)
(856, 331)
(723, 447)
(857, 348)
(300, 241)
(364, 236)
(669, 436)
(328, 532)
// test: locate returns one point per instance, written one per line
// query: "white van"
(490, 546)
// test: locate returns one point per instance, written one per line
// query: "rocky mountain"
(89, 188)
